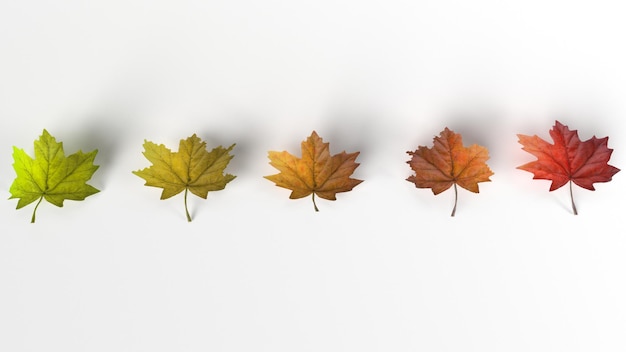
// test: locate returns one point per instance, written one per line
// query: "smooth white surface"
(384, 268)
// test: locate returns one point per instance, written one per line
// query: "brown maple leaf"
(316, 173)
(569, 159)
(449, 163)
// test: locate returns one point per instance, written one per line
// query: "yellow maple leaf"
(191, 169)
(316, 173)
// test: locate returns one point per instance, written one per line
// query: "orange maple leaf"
(569, 159)
(316, 173)
(449, 163)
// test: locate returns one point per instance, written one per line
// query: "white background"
(383, 268)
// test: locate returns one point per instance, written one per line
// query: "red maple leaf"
(569, 159)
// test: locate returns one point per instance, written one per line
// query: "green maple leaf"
(192, 169)
(51, 175)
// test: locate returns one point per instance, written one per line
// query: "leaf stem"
(456, 195)
(571, 195)
(32, 219)
(186, 209)
(314, 205)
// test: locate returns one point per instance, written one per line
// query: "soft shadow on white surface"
(383, 268)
